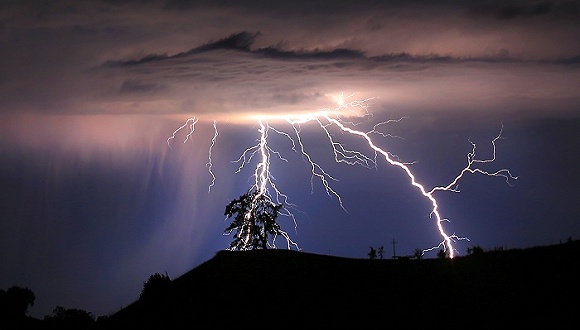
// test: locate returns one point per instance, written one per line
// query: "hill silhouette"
(282, 288)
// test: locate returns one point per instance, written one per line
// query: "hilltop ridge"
(533, 286)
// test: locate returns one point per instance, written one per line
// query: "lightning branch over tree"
(257, 210)
(254, 221)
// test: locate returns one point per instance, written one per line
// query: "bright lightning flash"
(326, 119)
(263, 182)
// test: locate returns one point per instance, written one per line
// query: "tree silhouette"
(254, 220)
(418, 253)
(441, 254)
(381, 252)
(15, 301)
(372, 253)
(156, 285)
(474, 250)
(70, 318)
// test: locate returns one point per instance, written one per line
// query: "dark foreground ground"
(280, 288)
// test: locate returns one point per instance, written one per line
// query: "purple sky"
(93, 200)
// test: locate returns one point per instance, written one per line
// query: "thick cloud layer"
(196, 57)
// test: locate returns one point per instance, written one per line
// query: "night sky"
(94, 200)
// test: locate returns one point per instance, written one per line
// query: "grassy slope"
(535, 286)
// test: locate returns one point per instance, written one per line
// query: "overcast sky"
(94, 198)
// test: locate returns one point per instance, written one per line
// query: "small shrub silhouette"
(475, 250)
(418, 253)
(156, 286)
(70, 318)
(372, 253)
(376, 253)
(381, 252)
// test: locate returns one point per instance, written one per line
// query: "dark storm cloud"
(238, 41)
(338, 53)
(244, 40)
(523, 10)
(570, 60)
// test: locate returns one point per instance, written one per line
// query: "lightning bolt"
(264, 181)
(209, 163)
(327, 118)
(190, 122)
(448, 240)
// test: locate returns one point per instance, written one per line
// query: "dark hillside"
(535, 286)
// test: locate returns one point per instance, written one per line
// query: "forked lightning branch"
(339, 118)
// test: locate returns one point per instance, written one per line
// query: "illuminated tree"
(254, 220)
(441, 254)
(418, 253)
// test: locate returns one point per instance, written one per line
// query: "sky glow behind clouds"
(91, 192)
